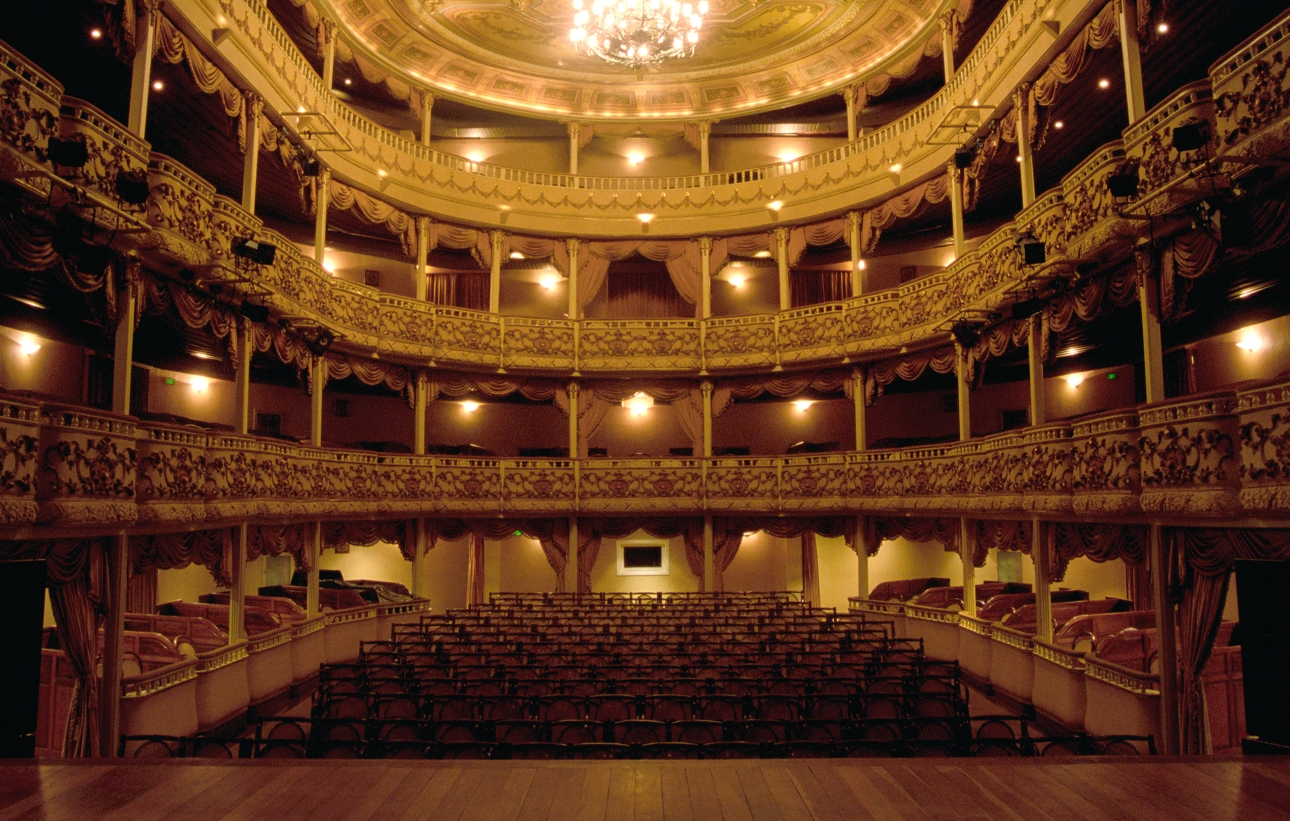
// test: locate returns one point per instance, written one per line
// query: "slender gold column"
(427, 113)
(781, 256)
(117, 549)
(495, 238)
(320, 214)
(1134, 96)
(854, 220)
(1038, 413)
(329, 53)
(141, 72)
(251, 159)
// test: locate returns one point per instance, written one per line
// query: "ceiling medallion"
(637, 33)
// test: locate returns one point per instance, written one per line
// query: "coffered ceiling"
(753, 54)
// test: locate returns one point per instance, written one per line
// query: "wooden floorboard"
(755, 790)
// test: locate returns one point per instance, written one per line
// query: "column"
(965, 397)
(781, 256)
(949, 39)
(141, 74)
(852, 96)
(311, 583)
(571, 245)
(706, 388)
(705, 297)
(1025, 149)
(1040, 555)
(969, 569)
(495, 273)
(858, 399)
(320, 213)
(246, 348)
(854, 221)
(237, 587)
(1132, 58)
(575, 449)
(1149, 303)
(420, 396)
(956, 208)
(123, 350)
(709, 559)
(571, 563)
(319, 379)
(575, 136)
(1166, 638)
(427, 108)
(423, 253)
(862, 558)
(705, 134)
(1036, 345)
(329, 53)
(117, 549)
(251, 158)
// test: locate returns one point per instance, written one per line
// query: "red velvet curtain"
(818, 287)
(475, 595)
(810, 570)
(460, 290)
(644, 290)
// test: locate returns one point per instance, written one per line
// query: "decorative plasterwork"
(753, 55)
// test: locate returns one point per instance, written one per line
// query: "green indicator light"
(1110, 376)
(169, 381)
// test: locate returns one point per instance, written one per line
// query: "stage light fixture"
(68, 153)
(132, 187)
(964, 334)
(1123, 184)
(1191, 136)
(1033, 252)
(261, 253)
(255, 313)
(1027, 308)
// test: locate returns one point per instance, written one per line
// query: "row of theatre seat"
(717, 676)
(301, 738)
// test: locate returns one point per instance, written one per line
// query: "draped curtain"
(643, 293)
(816, 287)
(810, 570)
(475, 595)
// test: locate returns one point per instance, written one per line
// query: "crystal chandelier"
(637, 33)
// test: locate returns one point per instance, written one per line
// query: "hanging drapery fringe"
(173, 47)
(908, 368)
(372, 372)
(212, 549)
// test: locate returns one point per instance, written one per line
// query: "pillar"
(1025, 148)
(1166, 638)
(420, 397)
(329, 53)
(251, 159)
(852, 96)
(575, 449)
(495, 272)
(423, 254)
(117, 549)
(705, 258)
(969, 569)
(311, 583)
(123, 349)
(854, 221)
(1149, 303)
(141, 72)
(956, 209)
(418, 558)
(858, 399)
(427, 109)
(965, 397)
(318, 379)
(1134, 96)
(705, 135)
(862, 558)
(1040, 555)
(575, 136)
(1038, 415)
(781, 256)
(571, 563)
(949, 31)
(706, 388)
(571, 245)
(709, 558)
(321, 198)
(246, 348)
(237, 587)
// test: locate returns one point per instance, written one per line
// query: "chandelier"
(637, 33)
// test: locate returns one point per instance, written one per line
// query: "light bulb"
(200, 384)
(28, 347)
(469, 406)
(802, 405)
(1074, 380)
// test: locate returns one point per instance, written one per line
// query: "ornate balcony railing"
(1218, 457)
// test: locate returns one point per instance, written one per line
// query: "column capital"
(423, 224)
(427, 100)
(328, 28)
(496, 237)
(150, 6)
(705, 127)
(574, 128)
(254, 104)
(707, 387)
(572, 389)
(781, 237)
(572, 244)
(705, 245)
(853, 219)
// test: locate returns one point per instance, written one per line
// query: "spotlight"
(132, 187)
(1027, 308)
(261, 253)
(1103, 83)
(309, 166)
(1123, 184)
(72, 153)
(964, 334)
(1235, 225)
(255, 313)
(96, 34)
(200, 384)
(1033, 252)
(775, 205)
(321, 342)
(964, 157)
(1191, 136)
(157, 85)
(1162, 28)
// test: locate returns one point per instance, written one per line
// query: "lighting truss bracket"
(316, 131)
(959, 124)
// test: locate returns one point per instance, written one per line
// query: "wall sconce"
(775, 205)
(1251, 341)
(28, 346)
(737, 280)
(803, 405)
(638, 403)
(200, 384)
(1074, 380)
(636, 158)
(469, 406)
(549, 281)
(645, 218)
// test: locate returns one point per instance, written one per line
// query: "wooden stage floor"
(819, 790)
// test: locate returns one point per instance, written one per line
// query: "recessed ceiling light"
(28, 346)
(348, 82)
(1251, 341)
(737, 280)
(802, 405)
(1163, 28)
(1103, 83)
(95, 34)
(1074, 380)
(1059, 124)
(549, 281)
(381, 172)
(469, 406)
(157, 85)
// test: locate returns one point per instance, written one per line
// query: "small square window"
(642, 558)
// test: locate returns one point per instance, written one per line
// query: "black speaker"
(22, 612)
(1265, 647)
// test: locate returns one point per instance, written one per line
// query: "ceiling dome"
(752, 55)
